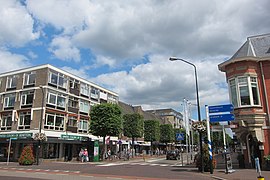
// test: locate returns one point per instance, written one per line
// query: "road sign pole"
(209, 139)
(225, 149)
(9, 147)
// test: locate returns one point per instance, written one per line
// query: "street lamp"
(40, 125)
(198, 103)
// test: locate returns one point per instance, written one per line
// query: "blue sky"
(125, 45)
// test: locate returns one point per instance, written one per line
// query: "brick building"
(248, 78)
(47, 99)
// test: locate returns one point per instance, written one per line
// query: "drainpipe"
(264, 93)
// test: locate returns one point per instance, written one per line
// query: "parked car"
(172, 154)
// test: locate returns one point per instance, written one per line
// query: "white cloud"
(77, 72)
(32, 55)
(162, 83)
(63, 49)
(16, 24)
(10, 62)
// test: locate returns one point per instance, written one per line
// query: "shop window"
(6, 122)
(24, 120)
(244, 91)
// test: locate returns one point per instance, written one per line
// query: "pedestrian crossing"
(138, 164)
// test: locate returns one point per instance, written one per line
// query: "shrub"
(27, 157)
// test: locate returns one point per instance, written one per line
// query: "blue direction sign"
(221, 117)
(180, 136)
(221, 108)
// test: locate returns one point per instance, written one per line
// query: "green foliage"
(133, 125)
(26, 157)
(106, 120)
(151, 130)
(166, 133)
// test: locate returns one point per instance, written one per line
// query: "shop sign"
(17, 135)
(73, 137)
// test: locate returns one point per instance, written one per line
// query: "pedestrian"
(85, 154)
(109, 153)
(81, 154)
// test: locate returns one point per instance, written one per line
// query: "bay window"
(85, 89)
(244, 91)
(56, 99)
(11, 82)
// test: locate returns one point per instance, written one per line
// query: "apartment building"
(248, 77)
(52, 101)
(169, 116)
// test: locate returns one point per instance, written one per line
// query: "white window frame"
(85, 89)
(58, 77)
(56, 98)
(249, 86)
(7, 100)
(84, 106)
(72, 100)
(10, 81)
(53, 126)
(4, 122)
(83, 125)
(27, 78)
(22, 117)
(72, 121)
(25, 96)
(94, 93)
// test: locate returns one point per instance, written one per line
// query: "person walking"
(85, 154)
(81, 155)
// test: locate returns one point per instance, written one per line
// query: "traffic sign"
(221, 117)
(221, 108)
(180, 136)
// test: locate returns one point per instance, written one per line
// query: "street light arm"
(179, 59)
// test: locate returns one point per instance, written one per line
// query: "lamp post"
(198, 103)
(40, 124)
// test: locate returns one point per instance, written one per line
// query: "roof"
(129, 109)
(256, 48)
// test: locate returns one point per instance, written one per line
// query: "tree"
(27, 157)
(151, 131)
(133, 126)
(167, 134)
(105, 121)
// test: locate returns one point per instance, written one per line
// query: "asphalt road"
(135, 169)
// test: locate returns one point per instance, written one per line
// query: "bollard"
(260, 178)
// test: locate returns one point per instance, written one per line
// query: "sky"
(125, 46)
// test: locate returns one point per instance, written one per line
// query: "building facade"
(248, 78)
(169, 116)
(51, 101)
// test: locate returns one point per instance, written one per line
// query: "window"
(244, 91)
(12, 82)
(24, 120)
(94, 93)
(72, 121)
(6, 122)
(83, 125)
(54, 121)
(85, 89)
(84, 106)
(29, 78)
(58, 79)
(9, 100)
(58, 100)
(74, 84)
(73, 102)
(27, 98)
